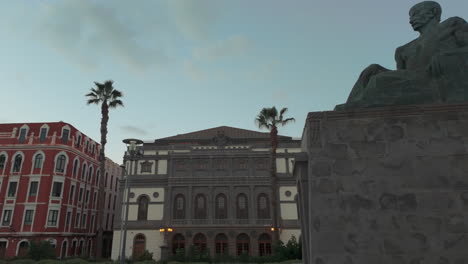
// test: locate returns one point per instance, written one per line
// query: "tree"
(41, 250)
(270, 119)
(108, 97)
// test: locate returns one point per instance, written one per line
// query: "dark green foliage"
(145, 256)
(41, 250)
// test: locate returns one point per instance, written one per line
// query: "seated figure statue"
(433, 68)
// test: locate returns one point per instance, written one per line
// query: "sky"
(188, 65)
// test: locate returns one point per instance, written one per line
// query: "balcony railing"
(229, 221)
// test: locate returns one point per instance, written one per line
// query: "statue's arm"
(400, 62)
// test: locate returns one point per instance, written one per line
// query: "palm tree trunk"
(274, 183)
(102, 160)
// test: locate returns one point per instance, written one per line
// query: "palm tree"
(108, 97)
(270, 119)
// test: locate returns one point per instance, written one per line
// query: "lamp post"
(132, 145)
(165, 246)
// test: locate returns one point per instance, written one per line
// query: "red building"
(49, 175)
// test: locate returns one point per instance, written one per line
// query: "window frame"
(10, 216)
(26, 210)
(57, 217)
(9, 188)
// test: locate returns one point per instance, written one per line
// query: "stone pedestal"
(385, 185)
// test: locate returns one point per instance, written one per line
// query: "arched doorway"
(221, 244)
(199, 241)
(264, 245)
(3, 247)
(139, 244)
(242, 244)
(178, 243)
(63, 251)
(23, 249)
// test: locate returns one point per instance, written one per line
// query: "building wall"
(50, 145)
(189, 171)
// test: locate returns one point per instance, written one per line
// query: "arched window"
(264, 245)
(3, 159)
(17, 162)
(263, 207)
(200, 207)
(242, 207)
(221, 206)
(178, 243)
(83, 173)
(23, 249)
(43, 133)
(139, 245)
(38, 160)
(142, 207)
(73, 248)
(179, 207)
(199, 241)
(90, 174)
(221, 244)
(98, 174)
(242, 244)
(60, 163)
(76, 165)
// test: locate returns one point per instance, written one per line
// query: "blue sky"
(187, 65)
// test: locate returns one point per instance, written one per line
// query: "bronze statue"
(430, 69)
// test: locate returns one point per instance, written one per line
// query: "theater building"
(49, 175)
(211, 189)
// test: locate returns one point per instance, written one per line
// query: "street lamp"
(132, 153)
(165, 246)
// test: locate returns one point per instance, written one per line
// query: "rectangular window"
(80, 195)
(57, 189)
(33, 187)
(115, 201)
(78, 141)
(72, 193)
(6, 219)
(52, 219)
(43, 135)
(28, 217)
(12, 189)
(87, 146)
(107, 222)
(65, 135)
(77, 219)
(109, 201)
(68, 219)
(22, 136)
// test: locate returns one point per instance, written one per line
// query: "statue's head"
(423, 13)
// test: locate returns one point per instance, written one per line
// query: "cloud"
(194, 19)
(263, 71)
(87, 33)
(134, 130)
(194, 71)
(230, 47)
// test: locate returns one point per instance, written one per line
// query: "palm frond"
(287, 121)
(93, 101)
(115, 103)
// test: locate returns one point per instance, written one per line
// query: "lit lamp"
(131, 154)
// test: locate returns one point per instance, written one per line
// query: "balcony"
(222, 222)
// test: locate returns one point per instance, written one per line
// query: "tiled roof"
(230, 132)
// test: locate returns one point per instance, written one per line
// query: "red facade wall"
(50, 147)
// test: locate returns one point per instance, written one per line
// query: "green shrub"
(75, 261)
(41, 250)
(49, 261)
(145, 256)
(23, 261)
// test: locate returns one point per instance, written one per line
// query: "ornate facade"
(211, 189)
(49, 176)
